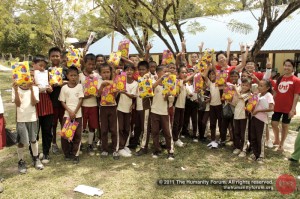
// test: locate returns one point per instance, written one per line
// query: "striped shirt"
(44, 107)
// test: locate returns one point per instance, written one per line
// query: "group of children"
(133, 120)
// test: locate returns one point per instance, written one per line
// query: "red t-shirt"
(136, 75)
(228, 70)
(285, 91)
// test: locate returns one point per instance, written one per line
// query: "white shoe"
(124, 153)
(195, 140)
(179, 143)
(270, 144)
(242, 154)
(127, 149)
(213, 144)
(236, 151)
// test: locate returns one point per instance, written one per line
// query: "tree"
(270, 18)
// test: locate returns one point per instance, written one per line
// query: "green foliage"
(236, 26)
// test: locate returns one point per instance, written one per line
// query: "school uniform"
(89, 105)
(109, 123)
(160, 120)
(124, 113)
(45, 113)
(240, 120)
(179, 112)
(190, 111)
(71, 97)
(203, 116)
(215, 109)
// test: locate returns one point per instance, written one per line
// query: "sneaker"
(171, 156)
(104, 154)
(116, 155)
(236, 151)
(127, 149)
(68, 157)
(141, 152)
(252, 157)
(242, 154)
(156, 154)
(260, 160)
(195, 139)
(22, 167)
(269, 144)
(45, 159)
(124, 153)
(179, 143)
(213, 145)
(90, 150)
(55, 149)
(95, 146)
(76, 160)
(222, 143)
(38, 165)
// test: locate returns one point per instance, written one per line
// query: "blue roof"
(284, 38)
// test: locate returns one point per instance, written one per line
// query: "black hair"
(210, 71)
(171, 63)
(234, 72)
(72, 68)
(160, 68)
(39, 58)
(64, 53)
(129, 66)
(105, 65)
(268, 84)
(234, 58)
(219, 53)
(179, 69)
(280, 77)
(54, 49)
(100, 55)
(89, 56)
(291, 61)
(247, 81)
(152, 62)
(143, 63)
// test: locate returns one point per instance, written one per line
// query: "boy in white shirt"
(71, 96)
(160, 117)
(89, 105)
(124, 110)
(26, 97)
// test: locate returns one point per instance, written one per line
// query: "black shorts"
(285, 117)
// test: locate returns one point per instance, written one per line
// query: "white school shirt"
(180, 102)
(125, 102)
(190, 92)
(239, 110)
(71, 97)
(26, 112)
(91, 101)
(263, 103)
(159, 104)
(215, 98)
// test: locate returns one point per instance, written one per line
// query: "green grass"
(137, 177)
